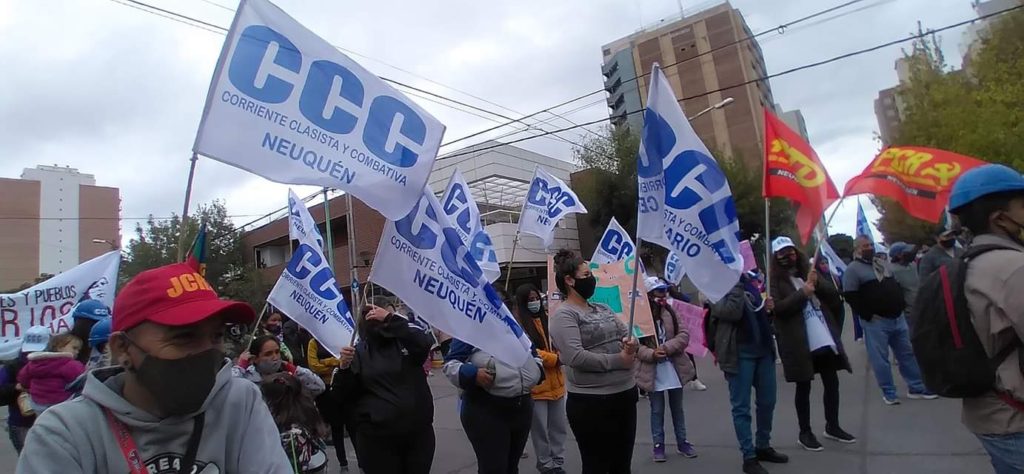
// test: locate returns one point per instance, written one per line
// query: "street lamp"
(723, 103)
(111, 243)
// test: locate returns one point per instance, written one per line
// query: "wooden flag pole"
(353, 270)
(184, 210)
(767, 247)
(511, 261)
(327, 224)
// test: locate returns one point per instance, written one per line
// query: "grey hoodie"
(239, 434)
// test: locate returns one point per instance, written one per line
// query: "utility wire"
(769, 76)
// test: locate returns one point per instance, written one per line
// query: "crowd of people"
(148, 387)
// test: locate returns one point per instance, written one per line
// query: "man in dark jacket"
(943, 252)
(746, 354)
(876, 297)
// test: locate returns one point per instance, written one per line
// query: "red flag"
(792, 170)
(919, 178)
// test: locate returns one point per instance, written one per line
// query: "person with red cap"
(168, 402)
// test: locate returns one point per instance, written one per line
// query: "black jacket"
(385, 387)
(791, 330)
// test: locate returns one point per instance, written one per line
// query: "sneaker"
(697, 385)
(771, 455)
(809, 442)
(922, 396)
(837, 434)
(890, 401)
(751, 466)
(659, 453)
(686, 449)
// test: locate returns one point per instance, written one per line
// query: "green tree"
(156, 244)
(612, 191)
(977, 111)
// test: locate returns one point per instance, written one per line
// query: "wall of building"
(58, 208)
(19, 240)
(99, 210)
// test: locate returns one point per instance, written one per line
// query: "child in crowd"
(297, 419)
(48, 372)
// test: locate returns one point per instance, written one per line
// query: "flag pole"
(832, 214)
(633, 294)
(256, 326)
(511, 261)
(327, 225)
(184, 211)
(767, 247)
(353, 271)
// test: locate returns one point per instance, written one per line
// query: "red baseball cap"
(173, 295)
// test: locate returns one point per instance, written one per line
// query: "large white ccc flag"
(286, 105)
(685, 203)
(307, 291)
(460, 207)
(423, 260)
(49, 303)
(614, 245)
(547, 202)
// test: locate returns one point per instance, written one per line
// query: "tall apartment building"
(889, 106)
(696, 52)
(795, 120)
(50, 218)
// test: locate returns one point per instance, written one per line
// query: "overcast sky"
(118, 92)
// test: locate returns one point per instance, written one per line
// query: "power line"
(769, 76)
(34, 218)
(780, 29)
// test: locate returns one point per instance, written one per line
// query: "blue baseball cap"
(982, 181)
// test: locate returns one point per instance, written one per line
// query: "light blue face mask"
(533, 306)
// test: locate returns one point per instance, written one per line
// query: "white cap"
(654, 283)
(782, 242)
(36, 339)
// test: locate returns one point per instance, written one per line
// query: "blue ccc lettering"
(454, 254)
(552, 197)
(254, 45)
(616, 245)
(307, 263)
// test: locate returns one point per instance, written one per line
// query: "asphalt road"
(914, 437)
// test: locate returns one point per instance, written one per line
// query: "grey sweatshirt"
(73, 437)
(589, 341)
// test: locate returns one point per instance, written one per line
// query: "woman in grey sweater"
(598, 355)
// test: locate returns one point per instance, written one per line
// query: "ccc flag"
(792, 170)
(919, 178)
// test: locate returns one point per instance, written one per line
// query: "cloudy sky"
(117, 92)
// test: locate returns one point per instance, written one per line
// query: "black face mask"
(867, 255)
(948, 244)
(179, 386)
(586, 286)
(786, 261)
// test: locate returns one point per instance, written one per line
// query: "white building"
(499, 179)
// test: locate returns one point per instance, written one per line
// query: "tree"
(978, 111)
(157, 245)
(612, 191)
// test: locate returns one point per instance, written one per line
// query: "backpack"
(953, 362)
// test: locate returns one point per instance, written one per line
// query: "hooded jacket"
(239, 434)
(46, 375)
(463, 360)
(675, 347)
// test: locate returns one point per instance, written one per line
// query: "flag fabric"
(862, 223)
(458, 204)
(614, 245)
(288, 106)
(674, 271)
(197, 257)
(685, 203)
(307, 291)
(547, 202)
(836, 265)
(919, 178)
(793, 170)
(423, 260)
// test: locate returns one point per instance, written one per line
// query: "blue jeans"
(1006, 451)
(758, 374)
(675, 405)
(879, 335)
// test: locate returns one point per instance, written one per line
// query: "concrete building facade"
(700, 53)
(50, 218)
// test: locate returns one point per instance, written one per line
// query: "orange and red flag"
(919, 178)
(792, 170)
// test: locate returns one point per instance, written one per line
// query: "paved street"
(915, 437)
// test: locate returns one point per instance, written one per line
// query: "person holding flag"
(808, 330)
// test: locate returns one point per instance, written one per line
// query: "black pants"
(407, 453)
(605, 429)
(333, 415)
(497, 428)
(802, 400)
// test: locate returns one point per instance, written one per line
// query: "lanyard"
(131, 451)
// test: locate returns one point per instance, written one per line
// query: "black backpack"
(953, 361)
